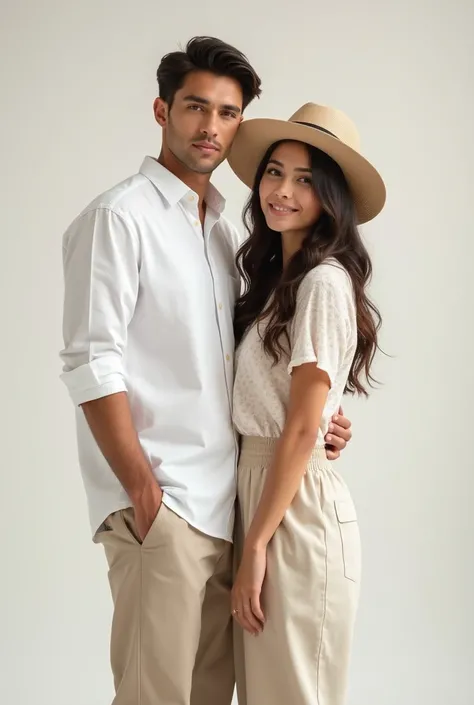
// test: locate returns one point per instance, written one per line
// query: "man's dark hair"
(206, 54)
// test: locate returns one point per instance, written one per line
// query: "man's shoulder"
(124, 202)
(124, 198)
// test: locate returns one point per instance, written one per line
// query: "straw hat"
(329, 130)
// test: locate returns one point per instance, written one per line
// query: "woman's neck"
(291, 242)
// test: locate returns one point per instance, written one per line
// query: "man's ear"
(160, 110)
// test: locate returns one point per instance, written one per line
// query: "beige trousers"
(310, 591)
(171, 634)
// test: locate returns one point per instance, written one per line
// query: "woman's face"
(287, 197)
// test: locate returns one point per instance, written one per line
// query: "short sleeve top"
(323, 330)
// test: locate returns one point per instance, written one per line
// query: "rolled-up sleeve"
(101, 281)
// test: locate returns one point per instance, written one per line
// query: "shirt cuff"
(96, 379)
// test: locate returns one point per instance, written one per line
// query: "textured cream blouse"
(323, 330)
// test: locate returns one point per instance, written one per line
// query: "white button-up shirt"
(149, 298)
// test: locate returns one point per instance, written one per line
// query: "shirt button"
(227, 357)
(196, 223)
(220, 306)
(191, 198)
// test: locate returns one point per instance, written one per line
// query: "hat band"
(316, 127)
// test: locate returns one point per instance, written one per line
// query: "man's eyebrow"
(203, 101)
(196, 99)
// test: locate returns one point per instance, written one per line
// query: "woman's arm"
(308, 394)
(322, 327)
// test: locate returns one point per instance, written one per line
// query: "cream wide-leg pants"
(311, 588)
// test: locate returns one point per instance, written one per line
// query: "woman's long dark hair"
(335, 234)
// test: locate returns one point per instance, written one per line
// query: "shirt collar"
(173, 189)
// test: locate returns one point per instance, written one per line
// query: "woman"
(306, 333)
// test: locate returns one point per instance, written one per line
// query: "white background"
(77, 89)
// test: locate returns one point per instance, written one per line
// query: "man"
(150, 286)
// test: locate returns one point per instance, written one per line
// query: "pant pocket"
(129, 523)
(350, 538)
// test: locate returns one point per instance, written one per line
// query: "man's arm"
(101, 273)
(111, 423)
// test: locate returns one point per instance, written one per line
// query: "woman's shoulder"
(330, 272)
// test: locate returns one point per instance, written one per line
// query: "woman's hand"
(246, 607)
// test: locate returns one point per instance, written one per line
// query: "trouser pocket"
(350, 537)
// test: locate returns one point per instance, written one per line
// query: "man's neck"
(199, 183)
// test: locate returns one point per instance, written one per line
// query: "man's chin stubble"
(195, 165)
(203, 167)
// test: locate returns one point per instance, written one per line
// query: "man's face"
(203, 120)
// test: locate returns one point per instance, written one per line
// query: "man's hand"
(111, 423)
(146, 507)
(338, 436)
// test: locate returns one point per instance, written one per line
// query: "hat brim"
(255, 136)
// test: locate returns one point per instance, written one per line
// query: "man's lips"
(206, 147)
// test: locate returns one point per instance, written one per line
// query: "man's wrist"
(143, 493)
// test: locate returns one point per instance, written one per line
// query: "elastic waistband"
(256, 451)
